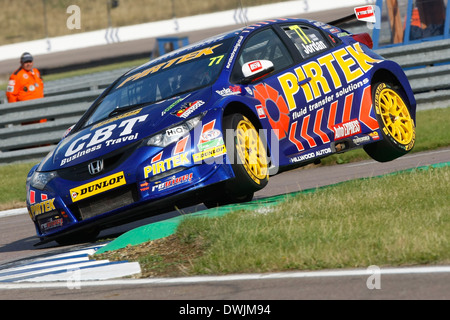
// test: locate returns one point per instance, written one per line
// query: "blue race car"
(209, 123)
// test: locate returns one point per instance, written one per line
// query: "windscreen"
(181, 72)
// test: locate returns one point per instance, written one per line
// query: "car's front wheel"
(248, 155)
(396, 124)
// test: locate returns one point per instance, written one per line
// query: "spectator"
(26, 82)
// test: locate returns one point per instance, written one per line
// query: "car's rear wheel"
(248, 155)
(396, 124)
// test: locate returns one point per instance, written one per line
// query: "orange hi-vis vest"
(25, 85)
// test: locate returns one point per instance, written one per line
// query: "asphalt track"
(17, 238)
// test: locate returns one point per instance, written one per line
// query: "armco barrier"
(93, 81)
(22, 137)
(427, 66)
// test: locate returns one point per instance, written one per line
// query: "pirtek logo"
(98, 186)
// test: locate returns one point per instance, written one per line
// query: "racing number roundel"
(275, 108)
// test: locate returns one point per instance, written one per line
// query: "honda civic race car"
(209, 123)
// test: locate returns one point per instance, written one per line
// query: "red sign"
(365, 13)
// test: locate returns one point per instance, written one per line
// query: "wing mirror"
(256, 69)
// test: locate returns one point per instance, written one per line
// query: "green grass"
(12, 188)
(385, 221)
(431, 134)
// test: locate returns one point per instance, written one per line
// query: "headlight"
(174, 133)
(40, 179)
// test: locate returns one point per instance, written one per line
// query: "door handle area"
(305, 81)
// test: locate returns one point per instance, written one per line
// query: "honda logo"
(95, 167)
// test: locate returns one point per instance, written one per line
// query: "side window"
(307, 40)
(265, 45)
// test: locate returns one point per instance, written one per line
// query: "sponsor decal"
(231, 91)
(209, 137)
(98, 186)
(255, 66)
(311, 155)
(144, 186)
(210, 144)
(309, 79)
(334, 30)
(346, 129)
(343, 34)
(361, 140)
(209, 153)
(374, 135)
(167, 64)
(102, 137)
(52, 224)
(314, 47)
(207, 127)
(165, 165)
(175, 131)
(173, 105)
(235, 50)
(278, 118)
(181, 145)
(188, 109)
(172, 182)
(260, 111)
(42, 207)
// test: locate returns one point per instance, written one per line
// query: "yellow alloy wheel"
(251, 150)
(396, 117)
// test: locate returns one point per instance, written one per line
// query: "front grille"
(111, 161)
(105, 202)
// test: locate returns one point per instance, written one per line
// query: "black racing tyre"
(396, 124)
(248, 155)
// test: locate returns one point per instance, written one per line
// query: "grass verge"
(385, 221)
(12, 188)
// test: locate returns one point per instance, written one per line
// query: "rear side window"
(308, 41)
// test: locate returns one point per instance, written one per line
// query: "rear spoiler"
(364, 13)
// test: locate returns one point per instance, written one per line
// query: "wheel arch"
(245, 110)
(387, 76)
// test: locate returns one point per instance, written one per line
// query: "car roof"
(243, 31)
